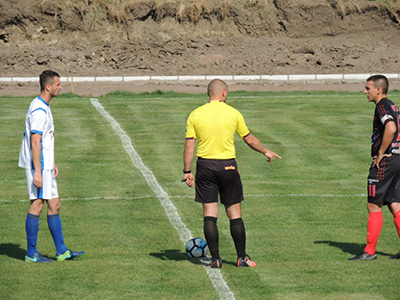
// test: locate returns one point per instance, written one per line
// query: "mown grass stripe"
(215, 275)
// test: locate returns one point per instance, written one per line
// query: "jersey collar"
(41, 99)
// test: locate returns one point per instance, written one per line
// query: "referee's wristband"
(187, 172)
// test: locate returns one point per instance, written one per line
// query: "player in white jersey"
(39, 120)
(37, 158)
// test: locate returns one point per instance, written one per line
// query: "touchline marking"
(93, 198)
(305, 195)
(214, 275)
(192, 197)
(233, 96)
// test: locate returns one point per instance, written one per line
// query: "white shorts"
(48, 190)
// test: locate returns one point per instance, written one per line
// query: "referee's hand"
(271, 156)
(189, 179)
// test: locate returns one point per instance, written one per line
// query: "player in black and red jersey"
(384, 173)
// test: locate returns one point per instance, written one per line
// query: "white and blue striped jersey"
(39, 119)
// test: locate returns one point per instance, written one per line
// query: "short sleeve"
(385, 113)
(190, 132)
(38, 120)
(242, 129)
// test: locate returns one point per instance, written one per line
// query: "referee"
(214, 125)
(384, 173)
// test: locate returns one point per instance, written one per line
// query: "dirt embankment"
(93, 38)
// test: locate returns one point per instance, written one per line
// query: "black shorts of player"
(384, 183)
(218, 176)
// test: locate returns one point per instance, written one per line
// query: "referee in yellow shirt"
(214, 125)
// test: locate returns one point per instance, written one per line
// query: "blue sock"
(32, 230)
(55, 227)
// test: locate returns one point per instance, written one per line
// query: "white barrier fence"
(295, 77)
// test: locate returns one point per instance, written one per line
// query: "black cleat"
(216, 263)
(364, 256)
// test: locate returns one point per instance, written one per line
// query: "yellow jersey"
(214, 125)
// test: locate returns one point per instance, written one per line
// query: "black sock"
(238, 234)
(211, 235)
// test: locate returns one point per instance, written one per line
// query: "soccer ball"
(196, 247)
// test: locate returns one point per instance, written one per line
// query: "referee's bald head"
(217, 89)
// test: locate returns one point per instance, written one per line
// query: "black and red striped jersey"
(385, 111)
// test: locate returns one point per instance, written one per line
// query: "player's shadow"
(351, 248)
(12, 250)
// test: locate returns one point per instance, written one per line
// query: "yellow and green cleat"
(69, 254)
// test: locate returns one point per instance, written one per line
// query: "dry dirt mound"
(93, 37)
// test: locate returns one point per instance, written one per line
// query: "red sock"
(375, 222)
(397, 221)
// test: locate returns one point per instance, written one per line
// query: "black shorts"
(384, 183)
(218, 176)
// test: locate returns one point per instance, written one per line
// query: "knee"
(234, 211)
(54, 206)
(36, 207)
(374, 207)
(394, 208)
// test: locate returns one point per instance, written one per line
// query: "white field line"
(342, 95)
(246, 97)
(214, 275)
(192, 197)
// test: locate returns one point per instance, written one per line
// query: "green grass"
(304, 215)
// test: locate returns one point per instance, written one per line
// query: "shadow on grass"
(173, 254)
(351, 248)
(13, 251)
(178, 255)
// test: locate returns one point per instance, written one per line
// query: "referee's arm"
(256, 145)
(188, 155)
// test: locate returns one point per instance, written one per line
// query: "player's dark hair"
(47, 77)
(380, 81)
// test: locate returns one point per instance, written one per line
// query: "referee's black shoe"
(216, 263)
(397, 256)
(364, 256)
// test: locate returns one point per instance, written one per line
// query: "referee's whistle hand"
(189, 179)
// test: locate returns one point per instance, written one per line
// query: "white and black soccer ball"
(196, 247)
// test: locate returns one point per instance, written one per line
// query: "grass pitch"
(304, 215)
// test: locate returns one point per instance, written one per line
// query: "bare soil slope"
(89, 37)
